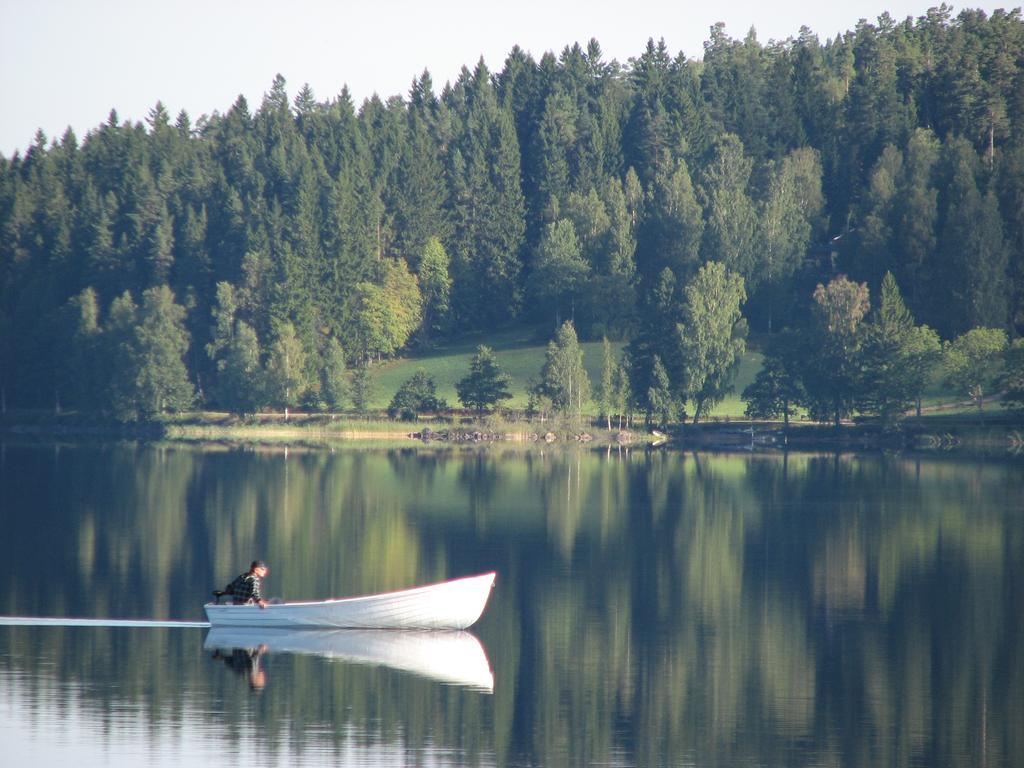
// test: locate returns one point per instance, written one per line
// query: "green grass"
(520, 352)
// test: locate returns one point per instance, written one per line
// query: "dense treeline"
(246, 259)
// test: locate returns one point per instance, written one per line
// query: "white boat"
(451, 657)
(452, 604)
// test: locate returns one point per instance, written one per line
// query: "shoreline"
(994, 432)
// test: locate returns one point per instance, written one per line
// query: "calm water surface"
(652, 607)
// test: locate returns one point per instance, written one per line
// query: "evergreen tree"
(673, 225)
(657, 335)
(559, 270)
(777, 390)
(488, 209)
(969, 283)
(1012, 380)
(785, 223)
(898, 357)
(485, 385)
(1011, 194)
(419, 190)
(362, 388)
(916, 211)
(334, 384)
(731, 217)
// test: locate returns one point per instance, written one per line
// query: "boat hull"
(455, 604)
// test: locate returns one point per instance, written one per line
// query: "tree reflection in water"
(652, 607)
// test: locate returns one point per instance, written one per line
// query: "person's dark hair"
(257, 564)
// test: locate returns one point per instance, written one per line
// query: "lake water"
(651, 607)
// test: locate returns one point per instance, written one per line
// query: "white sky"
(68, 62)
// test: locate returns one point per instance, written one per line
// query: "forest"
(866, 191)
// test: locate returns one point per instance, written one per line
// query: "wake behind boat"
(455, 604)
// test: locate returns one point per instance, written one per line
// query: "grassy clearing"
(521, 354)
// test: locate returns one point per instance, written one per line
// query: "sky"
(68, 62)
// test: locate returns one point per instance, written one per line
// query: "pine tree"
(731, 218)
(334, 382)
(969, 285)
(485, 385)
(1012, 380)
(916, 211)
(898, 357)
(487, 206)
(673, 224)
(362, 388)
(777, 390)
(559, 270)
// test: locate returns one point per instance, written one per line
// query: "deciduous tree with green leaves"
(662, 404)
(416, 395)
(606, 395)
(973, 362)
(286, 369)
(563, 379)
(160, 343)
(712, 335)
(241, 381)
(435, 287)
(830, 370)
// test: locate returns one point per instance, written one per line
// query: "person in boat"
(248, 587)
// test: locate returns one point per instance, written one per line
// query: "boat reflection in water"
(452, 657)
